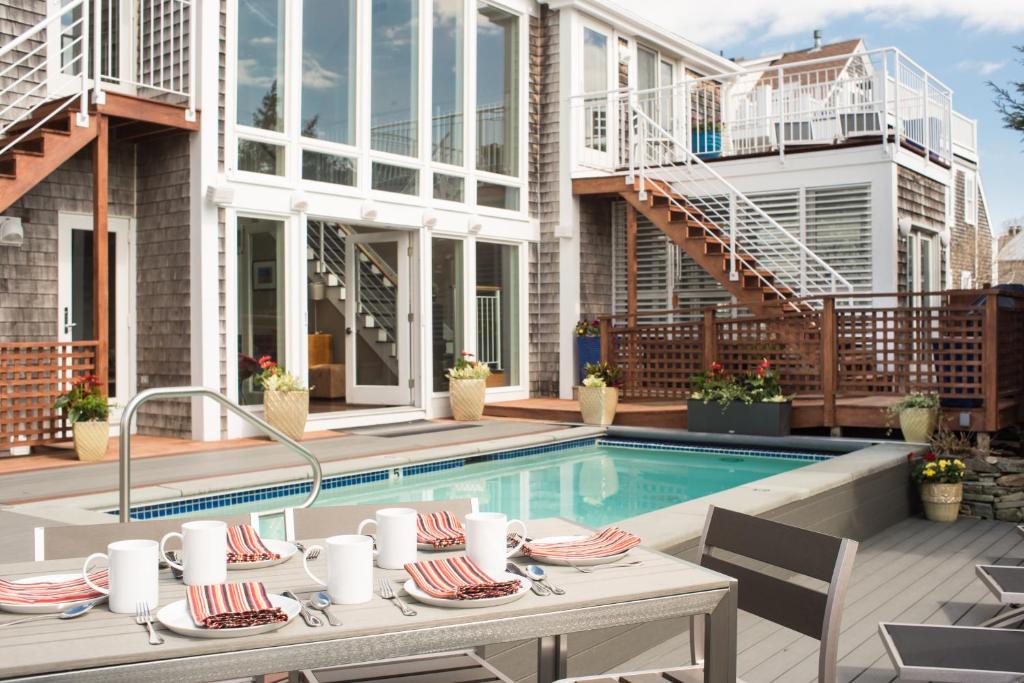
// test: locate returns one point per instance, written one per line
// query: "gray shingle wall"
(16, 17)
(923, 200)
(596, 257)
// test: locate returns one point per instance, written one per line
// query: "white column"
(568, 230)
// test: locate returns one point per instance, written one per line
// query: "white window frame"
(970, 197)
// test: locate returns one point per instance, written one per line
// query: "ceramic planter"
(917, 424)
(598, 404)
(287, 411)
(942, 501)
(467, 398)
(91, 439)
(759, 419)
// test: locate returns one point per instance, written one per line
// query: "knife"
(538, 589)
(307, 616)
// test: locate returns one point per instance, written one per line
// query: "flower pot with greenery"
(285, 400)
(750, 403)
(917, 415)
(467, 387)
(599, 395)
(588, 346)
(941, 483)
(87, 409)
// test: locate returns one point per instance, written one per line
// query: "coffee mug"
(349, 568)
(204, 552)
(134, 575)
(396, 536)
(486, 544)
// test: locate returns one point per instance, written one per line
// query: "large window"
(446, 303)
(447, 106)
(497, 311)
(261, 85)
(497, 90)
(394, 77)
(261, 302)
(328, 70)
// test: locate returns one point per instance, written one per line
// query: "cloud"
(252, 73)
(982, 68)
(315, 75)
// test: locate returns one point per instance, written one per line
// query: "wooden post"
(605, 325)
(710, 340)
(100, 257)
(990, 362)
(631, 265)
(829, 360)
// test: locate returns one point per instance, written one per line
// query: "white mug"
(349, 568)
(204, 552)
(486, 544)
(134, 575)
(396, 536)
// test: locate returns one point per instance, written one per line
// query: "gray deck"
(916, 571)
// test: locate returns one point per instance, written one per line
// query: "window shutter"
(839, 230)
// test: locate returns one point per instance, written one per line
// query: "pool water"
(593, 485)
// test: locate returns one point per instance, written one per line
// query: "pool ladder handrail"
(125, 448)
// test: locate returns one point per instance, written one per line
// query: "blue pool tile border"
(688, 448)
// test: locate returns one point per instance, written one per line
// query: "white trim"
(568, 215)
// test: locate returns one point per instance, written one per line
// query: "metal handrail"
(125, 449)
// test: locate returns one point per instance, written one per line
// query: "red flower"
(765, 364)
(465, 353)
(929, 457)
(716, 366)
(761, 370)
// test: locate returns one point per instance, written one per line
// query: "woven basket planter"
(467, 398)
(917, 424)
(91, 439)
(598, 404)
(287, 411)
(942, 501)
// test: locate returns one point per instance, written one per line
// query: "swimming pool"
(592, 481)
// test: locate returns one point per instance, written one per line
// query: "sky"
(962, 43)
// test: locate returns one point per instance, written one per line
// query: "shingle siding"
(596, 290)
(923, 200)
(16, 17)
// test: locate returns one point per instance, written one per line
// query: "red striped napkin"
(604, 543)
(52, 592)
(439, 529)
(458, 578)
(244, 545)
(232, 605)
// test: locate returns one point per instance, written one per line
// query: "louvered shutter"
(839, 230)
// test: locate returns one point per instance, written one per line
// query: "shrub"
(602, 374)
(931, 469)
(84, 401)
(468, 367)
(758, 386)
(273, 377)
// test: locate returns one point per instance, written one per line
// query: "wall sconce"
(369, 211)
(429, 220)
(474, 225)
(300, 202)
(944, 238)
(904, 224)
(12, 233)
(220, 195)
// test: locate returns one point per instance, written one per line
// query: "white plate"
(176, 617)
(283, 548)
(524, 587)
(49, 607)
(587, 562)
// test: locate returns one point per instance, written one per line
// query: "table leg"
(552, 656)
(720, 640)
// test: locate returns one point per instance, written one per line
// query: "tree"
(1007, 101)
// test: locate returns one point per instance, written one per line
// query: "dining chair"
(321, 522)
(750, 544)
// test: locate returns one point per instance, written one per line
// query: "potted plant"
(87, 410)
(285, 400)
(588, 345)
(941, 483)
(467, 387)
(751, 403)
(917, 414)
(599, 395)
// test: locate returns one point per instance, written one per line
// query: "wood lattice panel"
(1011, 349)
(792, 345)
(657, 360)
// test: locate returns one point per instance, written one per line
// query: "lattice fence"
(657, 359)
(792, 345)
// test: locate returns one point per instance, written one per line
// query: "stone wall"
(994, 488)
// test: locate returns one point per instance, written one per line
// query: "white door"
(598, 111)
(75, 295)
(377, 324)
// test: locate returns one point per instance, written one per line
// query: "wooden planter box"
(759, 419)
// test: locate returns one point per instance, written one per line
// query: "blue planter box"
(588, 350)
(706, 144)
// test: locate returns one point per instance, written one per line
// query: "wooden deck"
(915, 571)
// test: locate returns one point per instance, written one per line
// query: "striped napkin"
(52, 592)
(232, 605)
(458, 578)
(244, 545)
(604, 543)
(439, 529)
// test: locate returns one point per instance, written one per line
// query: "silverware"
(537, 573)
(313, 555)
(537, 588)
(388, 593)
(307, 616)
(143, 617)
(70, 613)
(617, 565)
(321, 602)
(300, 547)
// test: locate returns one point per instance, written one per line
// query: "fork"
(313, 555)
(388, 593)
(143, 617)
(590, 570)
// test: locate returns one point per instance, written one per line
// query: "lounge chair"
(955, 654)
(809, 611)
(1007, 585)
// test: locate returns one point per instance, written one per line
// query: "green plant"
(931, 469)
(912, 400)
(758, 386)
(273, 377)
(84, 401)
(588, 328)
(468, 367)
(604, 374)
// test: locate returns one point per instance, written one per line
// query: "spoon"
(535, 586)
(321, 602)
(70, 613)
(537, 573)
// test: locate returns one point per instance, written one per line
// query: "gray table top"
(662, 587)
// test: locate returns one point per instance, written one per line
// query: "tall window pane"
(328, 70)
(595, 61)
(446, 105)
(497, 90)
(260, 301)
(261, 64)
(446, 297)
(394, 77)
(497, 310)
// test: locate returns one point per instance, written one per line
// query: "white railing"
(965, 134)
(488, 327)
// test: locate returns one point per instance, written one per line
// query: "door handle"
(67, 322)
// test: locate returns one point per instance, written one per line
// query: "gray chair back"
(814, 612)
(321, 522)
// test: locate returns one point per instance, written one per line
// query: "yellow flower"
(958, 462)
(943, 464)
(929, 473)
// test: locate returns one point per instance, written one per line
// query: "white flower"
(594, 381)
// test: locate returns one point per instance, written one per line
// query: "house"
(363, 189)
(1010, 257)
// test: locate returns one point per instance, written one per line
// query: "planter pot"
(588, 350)
(91, 439)
(706, 144)
(598, 405)
(942, 501)
(467, 398)
(917, 424)
(287, 411)
(759, 419)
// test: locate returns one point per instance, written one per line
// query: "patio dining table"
(103, 647)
